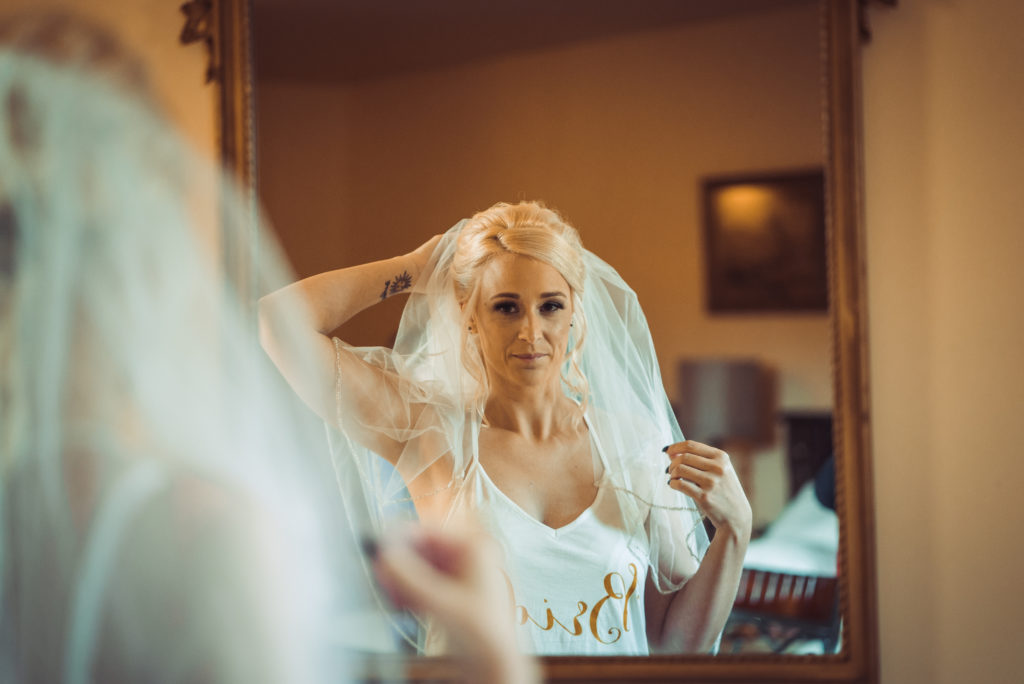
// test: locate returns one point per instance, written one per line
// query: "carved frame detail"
(858, 662)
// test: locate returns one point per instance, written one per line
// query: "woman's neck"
(535, 413)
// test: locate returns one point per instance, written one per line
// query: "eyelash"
(510, 308)
(554, 306)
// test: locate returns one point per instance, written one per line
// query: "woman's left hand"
(706, 475)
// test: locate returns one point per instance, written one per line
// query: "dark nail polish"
(665, 448)
(667, 469)
(669, 483)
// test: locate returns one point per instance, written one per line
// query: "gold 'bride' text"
(613, 633)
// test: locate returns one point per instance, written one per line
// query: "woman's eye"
(505, 307)
(549, 307)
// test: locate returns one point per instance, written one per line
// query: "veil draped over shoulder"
(626, 409)
(162, 514)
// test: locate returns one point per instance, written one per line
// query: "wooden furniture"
(775, 611)
(809, 445)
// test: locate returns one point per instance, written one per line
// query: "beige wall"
(616, 133)
(150, 29)
(944, 102)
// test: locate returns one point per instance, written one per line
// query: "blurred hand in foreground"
(454, 575)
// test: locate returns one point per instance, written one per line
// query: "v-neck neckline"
(585, 513)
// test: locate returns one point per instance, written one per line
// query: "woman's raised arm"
(295, 325)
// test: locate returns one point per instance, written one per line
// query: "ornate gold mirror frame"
(229, 27)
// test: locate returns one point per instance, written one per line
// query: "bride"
(523, 389)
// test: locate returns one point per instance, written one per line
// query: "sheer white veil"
(626, 408)
(163, 516)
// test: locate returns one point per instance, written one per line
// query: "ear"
(471, 322)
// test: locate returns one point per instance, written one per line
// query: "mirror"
(405, 118)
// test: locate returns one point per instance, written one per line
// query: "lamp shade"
(726, 400)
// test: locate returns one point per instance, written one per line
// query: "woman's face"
(522, 320)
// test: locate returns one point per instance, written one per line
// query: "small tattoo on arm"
(399, 283)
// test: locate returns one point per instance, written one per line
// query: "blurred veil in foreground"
(163, 509)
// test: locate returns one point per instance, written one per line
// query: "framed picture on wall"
(764, 242)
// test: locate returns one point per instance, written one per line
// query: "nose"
(529, 330)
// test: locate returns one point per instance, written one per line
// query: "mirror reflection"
(681, 139)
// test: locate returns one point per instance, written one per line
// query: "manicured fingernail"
(665, 448)
(667, 469)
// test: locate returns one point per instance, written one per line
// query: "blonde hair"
(526, 229)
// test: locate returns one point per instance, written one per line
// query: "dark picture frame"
(764, 242)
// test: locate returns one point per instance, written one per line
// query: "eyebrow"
(513, 295)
